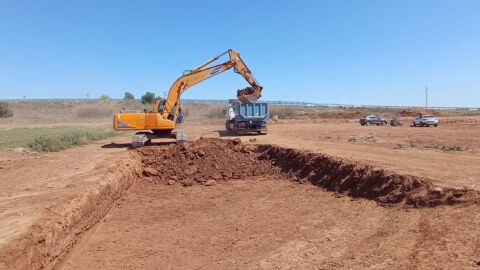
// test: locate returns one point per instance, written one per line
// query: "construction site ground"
(266, 221)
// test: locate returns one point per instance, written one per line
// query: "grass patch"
(449, 148)
(399, 146)
(52, 139)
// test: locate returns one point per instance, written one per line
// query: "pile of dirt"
(362, 181)
(205, 161)
(418, 112)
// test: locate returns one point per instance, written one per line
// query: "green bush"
(47, 143)
(148, 98)
(128, 96)
(5, 112)
(448, 148)
(104, 98)
(399, 146)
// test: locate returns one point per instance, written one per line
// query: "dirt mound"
(362, 181)
(417, 112)
(205, 161)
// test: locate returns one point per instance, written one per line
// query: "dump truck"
(243, 118)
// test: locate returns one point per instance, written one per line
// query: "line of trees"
(147, 98)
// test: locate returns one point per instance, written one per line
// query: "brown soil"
(269, 223)
(356, 215)
(363, 181)
(417, 112)
(208, 161)
(53, 236)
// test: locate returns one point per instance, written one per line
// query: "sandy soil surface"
(273, 224)
(34, 185)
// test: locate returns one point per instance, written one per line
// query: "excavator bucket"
(248, 95)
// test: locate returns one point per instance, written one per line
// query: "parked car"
(372, 120)
(425, 121)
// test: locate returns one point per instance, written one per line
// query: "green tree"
(148, 98)
(128, 96)
(104, 98)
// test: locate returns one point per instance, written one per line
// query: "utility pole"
(426, 97)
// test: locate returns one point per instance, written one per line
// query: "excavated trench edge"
(363, 181)
(53, 237)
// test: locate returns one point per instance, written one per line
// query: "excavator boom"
(202, 72)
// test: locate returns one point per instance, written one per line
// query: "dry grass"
(283, 112)
(201, 111)
(95, 110)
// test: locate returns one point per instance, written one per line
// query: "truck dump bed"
(257, 111)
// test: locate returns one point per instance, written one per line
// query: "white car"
(425, 121)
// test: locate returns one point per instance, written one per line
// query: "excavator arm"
(249, 94)
(202, 72)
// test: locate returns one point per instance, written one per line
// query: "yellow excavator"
(166, 113)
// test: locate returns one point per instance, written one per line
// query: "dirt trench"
(203, 192)
(221, 204)
(209, 161)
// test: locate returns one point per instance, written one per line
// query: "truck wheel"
(436, 125)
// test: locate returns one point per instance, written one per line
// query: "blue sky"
(351, 52)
